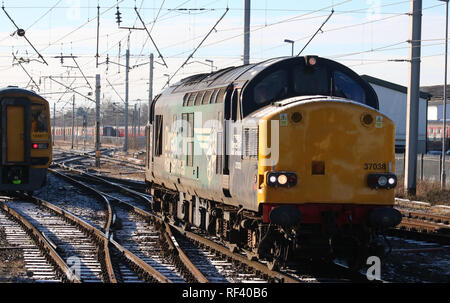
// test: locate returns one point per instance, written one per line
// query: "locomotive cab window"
(346, 87)
(310, 80)
(271, 88)
(39, 118)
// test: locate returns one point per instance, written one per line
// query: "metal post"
(77, 133)
(211, 62)
(134, 120)
(139, 121)
(246, 31)
(97, 120)
(117, 125)
(84, 130)
(444, 101)
(54, 122)
(292, 46)
(412, 114)
(64, 126)
(127, 64)
(421, 167)
(73, 118)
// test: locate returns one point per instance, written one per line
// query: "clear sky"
(362, 34)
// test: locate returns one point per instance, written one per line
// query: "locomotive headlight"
(273, 179)
(382, 181)
(282, 179)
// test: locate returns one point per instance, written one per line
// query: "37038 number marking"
(374, 166)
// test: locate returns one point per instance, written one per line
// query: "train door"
(16, 141)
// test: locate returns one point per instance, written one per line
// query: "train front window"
(311, 80)
(346, 87)
(273, 87)
(39, 118)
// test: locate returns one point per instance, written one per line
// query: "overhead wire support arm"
(112, 62)
(198, 46)
(320, 29)
(115, 90)
(150, 36)
(142, 64)
(71, 89)
(21, 33)
(67, 89)
(31, 78)
(77, 66)
(81, 71)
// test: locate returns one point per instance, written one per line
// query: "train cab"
(26, 150)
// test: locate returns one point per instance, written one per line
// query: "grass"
(426, 191)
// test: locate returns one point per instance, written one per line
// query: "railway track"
(80, 156)
(38, 268)
(133, 232)
(80, 250)
(423, 226)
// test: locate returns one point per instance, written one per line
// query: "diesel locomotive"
(26, 149)
(283, 158)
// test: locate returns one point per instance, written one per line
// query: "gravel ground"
(74, 199)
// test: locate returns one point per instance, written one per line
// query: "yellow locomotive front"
(330, 151)
(326, 174)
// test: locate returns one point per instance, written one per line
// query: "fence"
(428, 166)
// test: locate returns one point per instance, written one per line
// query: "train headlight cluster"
(285, 179)
(386, 181)
(39, 145)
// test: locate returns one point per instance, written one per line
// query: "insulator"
(118, 19)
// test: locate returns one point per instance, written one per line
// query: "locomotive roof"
(224, 76)
(17, 90)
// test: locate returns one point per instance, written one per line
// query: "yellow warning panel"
(15, 134)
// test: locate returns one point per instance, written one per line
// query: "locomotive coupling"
(384, 218)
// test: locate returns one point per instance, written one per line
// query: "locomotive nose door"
(16, 142)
